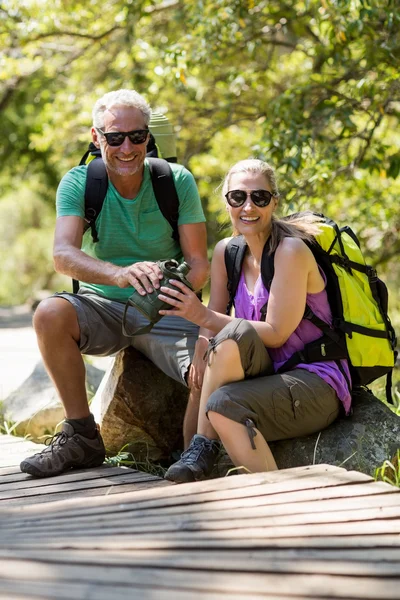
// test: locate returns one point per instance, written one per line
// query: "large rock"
(141, 411)
(35, 405)
(139, 408)
(361, 442)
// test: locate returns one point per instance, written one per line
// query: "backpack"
(361, 330)
(97, 184)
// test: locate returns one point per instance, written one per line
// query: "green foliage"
(26, 235)
(126, 459)
(310, 86)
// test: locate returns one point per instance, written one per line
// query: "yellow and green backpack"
(361, 330)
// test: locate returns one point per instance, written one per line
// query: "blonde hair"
(302, 225)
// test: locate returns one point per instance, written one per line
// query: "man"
(133, 234)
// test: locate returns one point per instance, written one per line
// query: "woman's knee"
(55, 316)
(218, 421)
(227, 350)
(238, 329)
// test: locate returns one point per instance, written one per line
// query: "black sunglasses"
(260, 198)
(116, 138)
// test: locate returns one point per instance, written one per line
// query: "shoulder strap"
(163, 185)
(267, 273)
(95, 192)
(165, 192)
(234, 256)
(267, 266)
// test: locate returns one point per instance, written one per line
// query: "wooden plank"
(377, 563)
(82, 496)
(317, 510)
(18, 480)
(16, 590)
(224, 540)
(313, 500)
(38, 488)
(224, 581)
(52, 486)
(284, 482)
(13, 449)
(256, 559)
(184, 530)
(158, 523)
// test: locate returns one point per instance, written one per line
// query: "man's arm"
(70, 260)
(193, 242)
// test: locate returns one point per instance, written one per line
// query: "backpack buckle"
(90, 215)
(341, 325)
(372, 274)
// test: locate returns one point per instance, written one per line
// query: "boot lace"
(196, 449)
(58, 439)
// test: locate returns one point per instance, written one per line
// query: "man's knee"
(55, 315)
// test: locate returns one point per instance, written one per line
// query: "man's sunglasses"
(116, 138)
(260, 198)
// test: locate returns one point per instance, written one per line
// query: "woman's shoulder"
(222, 244)
(294, 249)
(291, 245)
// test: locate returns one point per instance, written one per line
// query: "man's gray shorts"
(169, 345)
(283, 406)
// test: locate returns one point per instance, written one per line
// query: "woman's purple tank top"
(248, 306)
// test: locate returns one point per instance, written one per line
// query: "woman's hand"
(183, 301)
(198, 366)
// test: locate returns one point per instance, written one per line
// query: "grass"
(126, 459)
(379, 390)
(389, 472)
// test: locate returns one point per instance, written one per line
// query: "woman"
(243, 403)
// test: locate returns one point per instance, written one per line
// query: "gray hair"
(119, 98)
(256, 166)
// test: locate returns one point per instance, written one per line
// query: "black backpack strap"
(234, 256)
(95, 192)
(165, 192)
(267, 273)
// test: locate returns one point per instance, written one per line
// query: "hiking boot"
(66, 450)
(196, 462)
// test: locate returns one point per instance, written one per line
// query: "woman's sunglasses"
(116, 138)
(260, 198)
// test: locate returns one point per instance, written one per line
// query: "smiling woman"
(244, 401)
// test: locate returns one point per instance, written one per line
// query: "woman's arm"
(294, 263)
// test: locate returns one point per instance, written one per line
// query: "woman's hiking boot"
(66, 450)
(196, 462)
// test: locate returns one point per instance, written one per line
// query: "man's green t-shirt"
(130, 230)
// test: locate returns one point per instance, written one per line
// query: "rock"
(361, 442)
(35, 405)
(139, 408)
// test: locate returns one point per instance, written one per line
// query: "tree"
(310, 86)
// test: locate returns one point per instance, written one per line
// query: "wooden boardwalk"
(113, 533)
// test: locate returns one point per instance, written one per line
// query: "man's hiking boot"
(66, 450)
(196, 462)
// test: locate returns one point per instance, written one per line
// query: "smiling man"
(133, 235)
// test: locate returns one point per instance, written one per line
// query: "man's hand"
(198, 366)
(143, 276)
